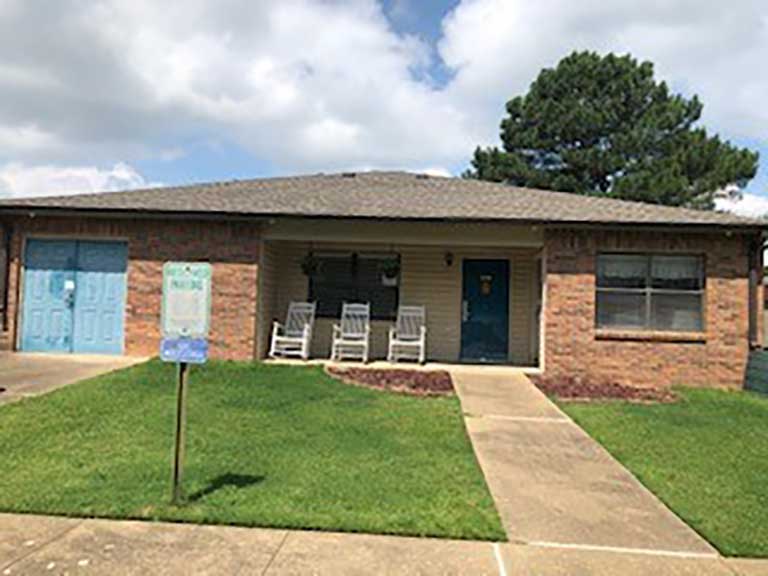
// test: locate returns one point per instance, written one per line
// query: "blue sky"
(423, 19)
(111, 95)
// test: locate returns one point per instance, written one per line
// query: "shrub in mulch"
(583, 390)
(413, 382)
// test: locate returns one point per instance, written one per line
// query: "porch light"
(448, 259)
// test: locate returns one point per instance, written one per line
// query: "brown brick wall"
(574, 347)
(232, 248)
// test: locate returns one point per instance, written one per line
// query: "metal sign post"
(181, 424)
(185, 322)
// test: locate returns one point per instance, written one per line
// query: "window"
(355, 278)
(650, 292)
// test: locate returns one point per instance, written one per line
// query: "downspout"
(544, 308)
(258, 353)
(761, 245)
(7, 234)
(756, 291)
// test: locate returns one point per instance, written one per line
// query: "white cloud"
(331, 137)
(171, 154)
(708, 47)
(311, 85)
(306, 85)
(436, 171)
(20, 180)
(29, 138)
(748, 205)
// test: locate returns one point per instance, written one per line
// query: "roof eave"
(60, 211)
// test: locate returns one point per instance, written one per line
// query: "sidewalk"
(42, 545)
(567, 505)
(553, 484)
(36, 545)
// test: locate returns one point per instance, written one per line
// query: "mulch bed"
(584, 390)
(413, 382)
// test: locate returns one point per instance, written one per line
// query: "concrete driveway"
(23, 375)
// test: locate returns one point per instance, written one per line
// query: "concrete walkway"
(23, 374)
(562, 496)
(42, 545)
(553, 484)
(37, 545)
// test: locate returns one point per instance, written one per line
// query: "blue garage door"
(74, 296)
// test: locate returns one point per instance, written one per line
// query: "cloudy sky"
(114, 94)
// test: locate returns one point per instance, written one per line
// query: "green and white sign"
(186, 311)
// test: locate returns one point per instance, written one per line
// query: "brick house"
(566, 284)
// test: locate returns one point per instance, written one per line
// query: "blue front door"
(74, 296)
(100, 298)
(49, 282)
(485, 311)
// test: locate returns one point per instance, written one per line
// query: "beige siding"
(765, 328)
(425, 279)
(268, 308)
(440, 234)
(292, 283)
(521, 351)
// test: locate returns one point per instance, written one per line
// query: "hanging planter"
(390, 272)
(310, 265)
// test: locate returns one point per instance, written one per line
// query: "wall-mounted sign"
(186, 309)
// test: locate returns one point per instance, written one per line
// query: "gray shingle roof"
(395, 195)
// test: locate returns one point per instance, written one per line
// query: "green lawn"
(706, 457)
(267, 446)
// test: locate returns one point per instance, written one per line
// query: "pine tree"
(602, 125)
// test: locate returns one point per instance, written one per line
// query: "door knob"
(69, 293)
(464, 310)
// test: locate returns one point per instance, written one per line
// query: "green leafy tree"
(601, 125)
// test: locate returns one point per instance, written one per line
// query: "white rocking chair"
(408, 337)
(294, 337)
(351, 338)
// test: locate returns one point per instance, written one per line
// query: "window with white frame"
(650, 292)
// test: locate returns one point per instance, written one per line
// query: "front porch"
(481, 285)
